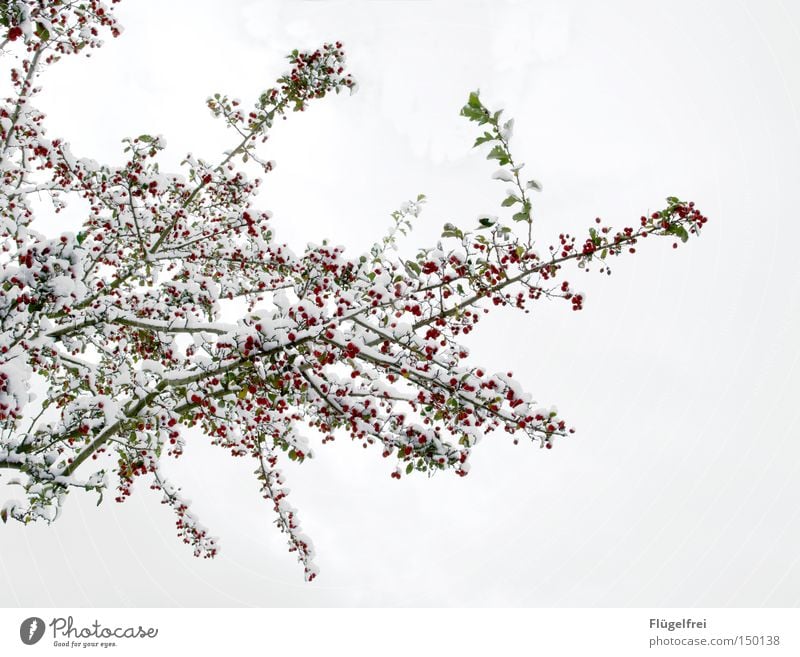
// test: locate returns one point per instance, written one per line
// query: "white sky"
(681, 486)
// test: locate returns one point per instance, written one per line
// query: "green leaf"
(293, 455)
(42, 32)
(449, 230)
(486, 222)
(498, 153)
(680, 231)
(483, 139)
(409, 468)
(413, 266)
(508, 202)
(521, 216)
(474, 109)
(473, 114)
(145, 138)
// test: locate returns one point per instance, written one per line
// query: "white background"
(681, 486)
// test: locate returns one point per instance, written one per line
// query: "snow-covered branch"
(123, 319)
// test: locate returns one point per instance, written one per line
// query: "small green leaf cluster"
(498, 135)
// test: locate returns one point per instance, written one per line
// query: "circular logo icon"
(31, 630)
